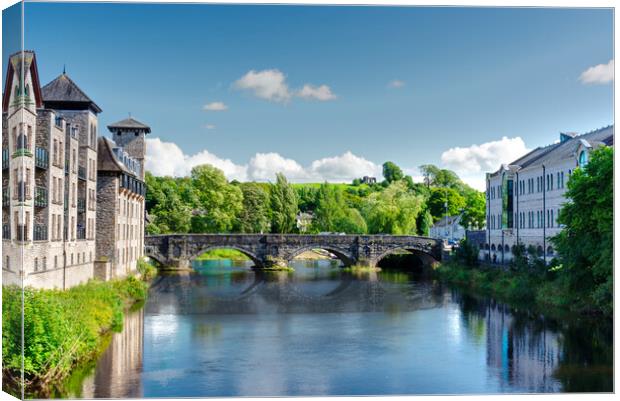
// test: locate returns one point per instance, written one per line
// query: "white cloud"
(271, 85)
(167, 159)
(396, 83)
(266, 84)
(215, 106)
(470, 163)
(264, 166)
(322, 93)
(209, 126)
(343, 168)
(598, 74)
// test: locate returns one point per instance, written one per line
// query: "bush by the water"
(147, 270)
(223, 253)
(61, 328)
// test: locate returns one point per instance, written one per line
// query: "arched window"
(583, 158)
(550, 250)
(539, 250)
(486, 246)
(506, 248)
(493, 247)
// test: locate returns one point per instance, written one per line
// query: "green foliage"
(62, 328)
(424, 223)
(283, 206)
(332, 213)
(467, 253)
(147, 270)
(223, 253)
(585, 245)
(255, 214)
(392, 211)
(438, 199)
(392, 173)
(474, 215)
(216, 202)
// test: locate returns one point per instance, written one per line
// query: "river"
(226, 330)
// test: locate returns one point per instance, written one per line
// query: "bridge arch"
(343, 255)
(253, 257)
(425, 258)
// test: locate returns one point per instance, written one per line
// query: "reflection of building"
(525, 196)
(448, 228)
(522, 357)
(50, 208)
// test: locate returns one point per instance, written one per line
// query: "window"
(44, 263)
(36, 264)
(56, 262)
(583, 159)
(562, 179)
(552, 220)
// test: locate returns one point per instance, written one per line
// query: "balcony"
(40, 197)
(6, 197)
(82, 173)
(81, 233)
(23, 192)
(81, 205)
(6, 231)
(5, 159)
(41, 158)
(40, 232)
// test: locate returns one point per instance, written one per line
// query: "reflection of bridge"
(266, 250)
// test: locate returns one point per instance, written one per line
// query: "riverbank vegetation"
(580, 278)
(62, 329)
(224, 253)
(205, 202)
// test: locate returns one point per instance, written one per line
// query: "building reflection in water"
(118, 370)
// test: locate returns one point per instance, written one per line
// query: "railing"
(81, 233)
(6, 231)
(40, 197)
(6, 196)
(5, 159)
(58, 121)
(41, 157)
(40, 232)
(81, 205)
(23, 191)
(73, 131)
(82, 173)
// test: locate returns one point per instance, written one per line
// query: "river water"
(229, 331)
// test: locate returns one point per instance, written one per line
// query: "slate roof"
(129, 124)
(563, 150)
(106, 159)
(62, 92)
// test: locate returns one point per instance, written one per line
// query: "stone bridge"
(271, 250)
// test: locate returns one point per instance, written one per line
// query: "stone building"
(49, 154)
(524, 197)
(121, 193)
(52, 228)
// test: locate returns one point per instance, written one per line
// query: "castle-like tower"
(121, 192)
(49, 154)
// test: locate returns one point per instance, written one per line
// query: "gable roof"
(63, 93)
(15, 63)
(129, 124)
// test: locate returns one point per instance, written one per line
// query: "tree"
(283, 206)
(474, 215)
(332, 214)
(434, 176)
(391, 172)
(424, 223)
(254, 217)
(216, 202)
(392, 211)
(585, 245)
(437, 202)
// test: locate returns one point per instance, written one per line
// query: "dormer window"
(583, 159)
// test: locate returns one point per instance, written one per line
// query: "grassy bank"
(224, 253)
(62, 329)
(543, 293)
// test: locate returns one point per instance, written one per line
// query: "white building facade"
(524, 197)
(448, 228)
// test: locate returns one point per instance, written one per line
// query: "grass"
(62, 329)
(223, 253)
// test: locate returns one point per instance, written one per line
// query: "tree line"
(206, 202)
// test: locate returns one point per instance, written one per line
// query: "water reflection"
(229, 331)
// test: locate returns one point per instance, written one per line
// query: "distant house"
(369, 180)
(448, 228)
(304, 220)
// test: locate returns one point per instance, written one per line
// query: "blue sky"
(465, 76)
